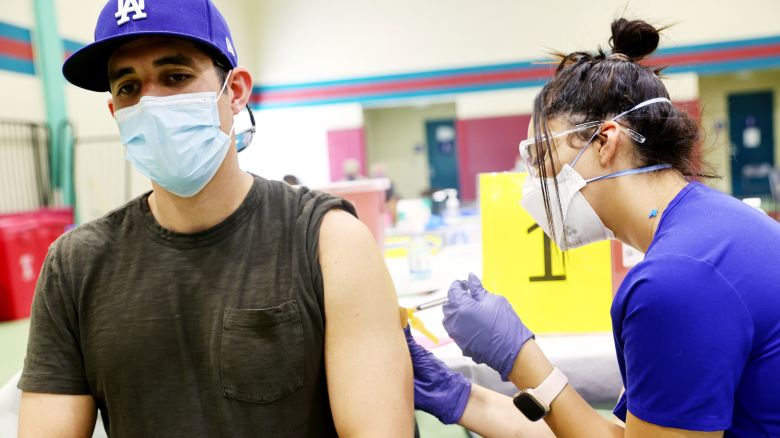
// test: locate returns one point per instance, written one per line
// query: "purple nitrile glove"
(484, 325)
(438, 390)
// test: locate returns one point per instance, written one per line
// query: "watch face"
(528, 405)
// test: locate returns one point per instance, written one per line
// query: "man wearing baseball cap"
(219, 303)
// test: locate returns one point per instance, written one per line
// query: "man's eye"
(126, 89)
(178, 77)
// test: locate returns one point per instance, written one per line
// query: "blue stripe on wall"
(401, 95)
(14, 32)
(17, 65)
(689, 49)
(737, 44)
(727, 66)
(71, 46)
(23, 35)
(721, 67)
(405, 76)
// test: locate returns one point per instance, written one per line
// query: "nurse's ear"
(607, 144)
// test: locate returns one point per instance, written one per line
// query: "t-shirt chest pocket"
(262, 353)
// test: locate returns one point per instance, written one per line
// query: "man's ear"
(607, 143)
(111, 106)
(240, 85)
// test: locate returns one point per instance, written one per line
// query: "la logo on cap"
(229, 46)
(125, 7)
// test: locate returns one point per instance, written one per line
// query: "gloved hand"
(484, 325)
(438, 390)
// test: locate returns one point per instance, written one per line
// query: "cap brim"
(87, 67)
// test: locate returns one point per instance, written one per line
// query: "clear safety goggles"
(532, 160)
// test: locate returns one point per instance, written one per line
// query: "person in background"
(351, 168)
(220, 303)
(696, 325)
(391, 197)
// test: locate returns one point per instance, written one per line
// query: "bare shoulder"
(340, 225)
(349, 255)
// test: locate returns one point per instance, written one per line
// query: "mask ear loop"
(598, 131)
(224, 86)
(582, 151)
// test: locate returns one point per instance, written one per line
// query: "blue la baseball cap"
(123, 20)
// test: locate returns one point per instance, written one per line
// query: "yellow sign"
(397, 246)
(552, 292)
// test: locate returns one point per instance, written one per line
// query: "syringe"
(431, 304)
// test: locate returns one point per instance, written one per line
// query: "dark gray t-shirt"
(217, 333)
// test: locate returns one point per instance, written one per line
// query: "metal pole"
(49, 54)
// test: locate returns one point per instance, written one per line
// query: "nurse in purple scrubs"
(696, 323)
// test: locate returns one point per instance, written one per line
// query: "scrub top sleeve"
(686, 337)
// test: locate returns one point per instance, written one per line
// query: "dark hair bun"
(636, 38)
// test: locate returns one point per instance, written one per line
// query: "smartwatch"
(535, 403)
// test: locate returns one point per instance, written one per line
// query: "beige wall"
(714, 91)
(21, 99)
(306, 40)
(392, 134)
(19, 13)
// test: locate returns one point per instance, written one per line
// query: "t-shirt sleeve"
(314, 208)
(54, 362)
(686, 337)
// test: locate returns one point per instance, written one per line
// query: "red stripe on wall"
(355, 91)
(408, 85)
(735, 54)
(16, 49)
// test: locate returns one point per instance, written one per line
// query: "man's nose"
(151, 88)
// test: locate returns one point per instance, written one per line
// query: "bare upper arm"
(637, 428)
(367, 362)
(56, 415)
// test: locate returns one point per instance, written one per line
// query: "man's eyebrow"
(166, 60)
(174, 60)
(116, 74)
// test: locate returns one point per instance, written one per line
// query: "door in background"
(752, 143)
(343, 145)
(442, 154)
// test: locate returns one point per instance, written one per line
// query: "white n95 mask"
(579, 225)
(175, 141)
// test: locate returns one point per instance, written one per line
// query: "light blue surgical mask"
(176, 141)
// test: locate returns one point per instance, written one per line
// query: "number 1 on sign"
(548, 274)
